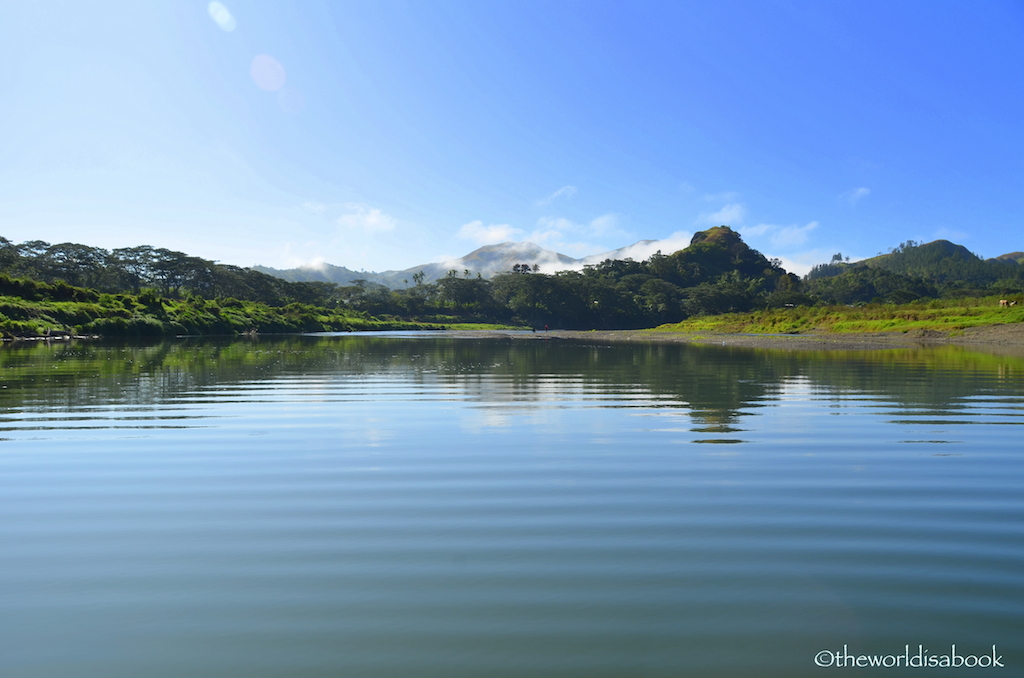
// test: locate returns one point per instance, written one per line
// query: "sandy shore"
(1008, 339)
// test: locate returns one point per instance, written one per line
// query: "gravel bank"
(1003, 339)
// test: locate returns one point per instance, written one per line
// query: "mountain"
(490, 260)
(486, 261)
(1010, 257)
(911, 255)
(943, 262)
(323, 273)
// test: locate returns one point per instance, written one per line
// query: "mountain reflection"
(717, 386)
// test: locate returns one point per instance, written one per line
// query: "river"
(418, 505)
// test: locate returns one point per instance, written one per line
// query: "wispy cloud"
(641, 251)
(801, 263)
(572, 237)
(315, 264)
(475, 231)
(563, 192)
(553, 233)
(729, 215)
(604, 224)
(788, 236)
(304, 255)
(362, 217)
(855, 195)
(313, 207)
(781, 236)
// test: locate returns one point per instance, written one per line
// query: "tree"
(135, 266)
(78, 265)
(8, 253)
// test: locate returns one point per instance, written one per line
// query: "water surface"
(431, 506)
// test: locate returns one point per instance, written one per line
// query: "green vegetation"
(716, 283)
(936, 314)
(49, 310)
(914, 271)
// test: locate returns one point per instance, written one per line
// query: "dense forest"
(75, 288)
(912, 270)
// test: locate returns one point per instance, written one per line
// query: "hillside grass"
(125, 315)
(944, 315)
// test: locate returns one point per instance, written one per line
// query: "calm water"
(424, 506)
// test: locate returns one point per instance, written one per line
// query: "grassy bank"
(125, 315)
(945, 315)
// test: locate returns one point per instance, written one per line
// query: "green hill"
(944, 263)
(1017, 257)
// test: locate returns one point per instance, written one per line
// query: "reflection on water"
(422, 505)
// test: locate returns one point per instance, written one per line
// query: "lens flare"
(267, 73)
(221, 16)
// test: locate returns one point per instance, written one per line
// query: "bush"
(137, 326)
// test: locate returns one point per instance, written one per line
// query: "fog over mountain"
(485, 261)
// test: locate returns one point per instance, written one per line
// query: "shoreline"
(1005, 339)
(992, 338)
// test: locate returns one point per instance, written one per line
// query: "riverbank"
(1007, 338)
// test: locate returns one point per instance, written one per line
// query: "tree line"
(717, 273)
(169, 273)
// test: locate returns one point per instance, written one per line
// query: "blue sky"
(380, 135)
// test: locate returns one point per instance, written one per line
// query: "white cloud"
(488, 235)
(313, 207)
(558, 224)
(564, 191)
(788, 236)
(604, 224)
(562, 235)
(802, 262)
(854, 195)
(600, 226)
(755, 231)
(675, 242)
(316, 264)
(639, 251)
(574, 239)
(545, 238)
(300, 255)
(781, 236)
(362, 217)
(642, 251)
(729, 215)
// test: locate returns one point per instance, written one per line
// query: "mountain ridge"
(490, 260)
(486, 261)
